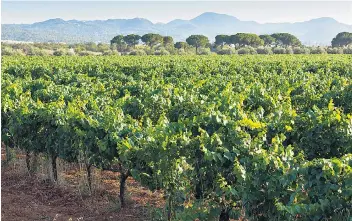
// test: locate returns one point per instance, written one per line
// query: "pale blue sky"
(15, 11)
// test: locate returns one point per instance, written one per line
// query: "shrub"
(347, 50)
(88, 53)
(162, 52)
(59, 52)
(8, 51)
(181, 51)
(317, 50)
(171, 50)
(138, 52)
(111, 52)
(103, 47)
(184, 52)
(279, 50)
(247, 50)
(264, 50)
(204, 51)
(289, 50)
(300, 50)
(147, 50)
(334, 50)
(70, 52)
(34, 51)
(24, 47)
(227, 51)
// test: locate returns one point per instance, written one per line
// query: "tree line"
(200, 41)
(240, 40)
(155, 44)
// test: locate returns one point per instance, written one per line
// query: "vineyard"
(225, 137)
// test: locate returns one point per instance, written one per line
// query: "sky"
(27, 12)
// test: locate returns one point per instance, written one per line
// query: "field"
(221, 137)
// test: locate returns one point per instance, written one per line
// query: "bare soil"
(32, 197)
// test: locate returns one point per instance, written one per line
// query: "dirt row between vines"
(34, 197)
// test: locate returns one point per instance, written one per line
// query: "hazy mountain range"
(317, 31)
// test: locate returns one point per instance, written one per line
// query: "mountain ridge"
(315, 31)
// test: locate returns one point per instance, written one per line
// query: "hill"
(316, 31)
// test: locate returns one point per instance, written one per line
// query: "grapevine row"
(268, 137)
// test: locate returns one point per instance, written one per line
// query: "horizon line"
(164, 23)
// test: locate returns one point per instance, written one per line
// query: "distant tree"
(91, 46)
(132, 39)
(152, 39)
(167, 41)
(317, 50)
(119, 42)
(181, 45)
(286, 39)
(59, 52)
(268, 39)
(118, 39)
(246, 39)
(342, 39)
(78, 47)
(103, 47)
(222, 40)
(197, 41)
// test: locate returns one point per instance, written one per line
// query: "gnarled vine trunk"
(53, 166)
(89, 176)
(8, 154)
(123, 178)
(169, 211)
(34, 163)
(224, 215)
(28, 161)
(198, 184)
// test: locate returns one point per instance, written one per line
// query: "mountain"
(316, 31)
(212, 19)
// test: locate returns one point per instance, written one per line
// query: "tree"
(286, 39)
(246, 39)
(268, 40)
(167, 41)
(78, 47)
(222, 40)
(118, 41)
(91, 46)
(180, 45)
(102, 47)
(197, 41)
(342, 39)
(132, 39)
(152, 39)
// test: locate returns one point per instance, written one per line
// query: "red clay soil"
(25, 197)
